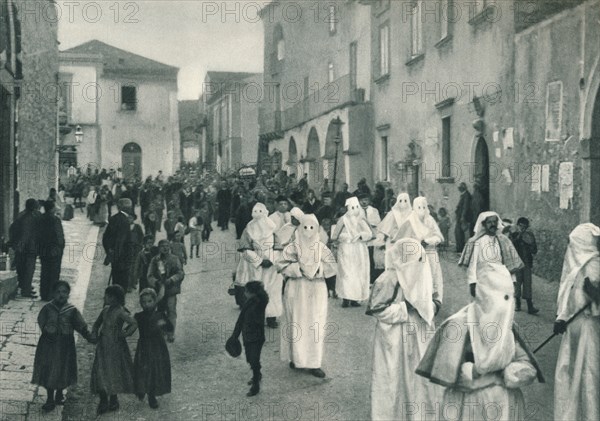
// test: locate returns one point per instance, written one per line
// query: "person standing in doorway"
(464, 218)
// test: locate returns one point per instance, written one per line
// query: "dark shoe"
(114, 403)
(102, 408)
(354, 304)
(28, 295)
(533, 310)
(517, 304)
(48, 406)
(345, 303)
(254, 390)
(152, 402)
(317, 372)
(59, 398)
(141, 396)
(292, 365)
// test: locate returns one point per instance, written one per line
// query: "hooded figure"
(305, 265)
(396, 217)
(577, 392)
(257, 246)
(285, 234)
(491, 263)
(421, 226)
(402, 301)
(486, 362)
(352, 233)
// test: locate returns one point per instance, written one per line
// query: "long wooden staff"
(567, 324)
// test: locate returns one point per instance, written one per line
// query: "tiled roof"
(121, 61)
(228, 76)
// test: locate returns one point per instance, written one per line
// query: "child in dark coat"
(142, 263)
(152, 364)
(251, 324)
(55, 364)
(112, 371)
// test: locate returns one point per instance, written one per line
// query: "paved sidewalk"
(19, 333)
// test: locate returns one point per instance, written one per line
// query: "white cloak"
(354, 273)
(303, 328)
(252, 254)
(401, 339)
(577, 378)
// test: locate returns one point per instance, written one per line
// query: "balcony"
(336, 94)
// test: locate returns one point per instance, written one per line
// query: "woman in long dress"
(402, 302)
(352, 232)
(101, 205)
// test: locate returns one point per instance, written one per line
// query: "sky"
(195, 35)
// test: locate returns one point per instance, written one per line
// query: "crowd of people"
(298, 248)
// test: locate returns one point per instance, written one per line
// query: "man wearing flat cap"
(115, 241)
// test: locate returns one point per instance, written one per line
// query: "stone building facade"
(231, 105)
(557, 116)
(504, 94)
(317, 74)
(28, 104)
(128, 106)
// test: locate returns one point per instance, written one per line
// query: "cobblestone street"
(19, 333)
(209, 385)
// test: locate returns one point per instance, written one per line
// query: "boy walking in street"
(251, 324)
(526, 246)
(165, 272)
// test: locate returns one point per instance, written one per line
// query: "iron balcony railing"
(328, 97)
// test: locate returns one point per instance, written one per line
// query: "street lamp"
(338, 139)
(78, 134)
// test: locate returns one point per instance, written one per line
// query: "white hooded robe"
(306, 263)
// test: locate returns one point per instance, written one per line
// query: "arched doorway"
(481, 180)
(331, 169)
(292, 163)
(132, 161)
(594, 157)
(313, 156)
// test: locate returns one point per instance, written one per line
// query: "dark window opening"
(446, 163)
(128, 98)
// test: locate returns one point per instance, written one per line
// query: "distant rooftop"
(120, 61)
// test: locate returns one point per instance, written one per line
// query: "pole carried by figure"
(566, 324)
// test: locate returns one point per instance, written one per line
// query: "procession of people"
(296, 252)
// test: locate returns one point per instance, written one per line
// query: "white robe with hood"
(352, 233)
(305, 265)
(402, 335)
(577, 378)
(258, 242)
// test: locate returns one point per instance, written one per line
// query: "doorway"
(482, 174)
(132, 161)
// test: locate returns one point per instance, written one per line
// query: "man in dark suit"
(52, 245)
(115, 240)
(24, 238)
